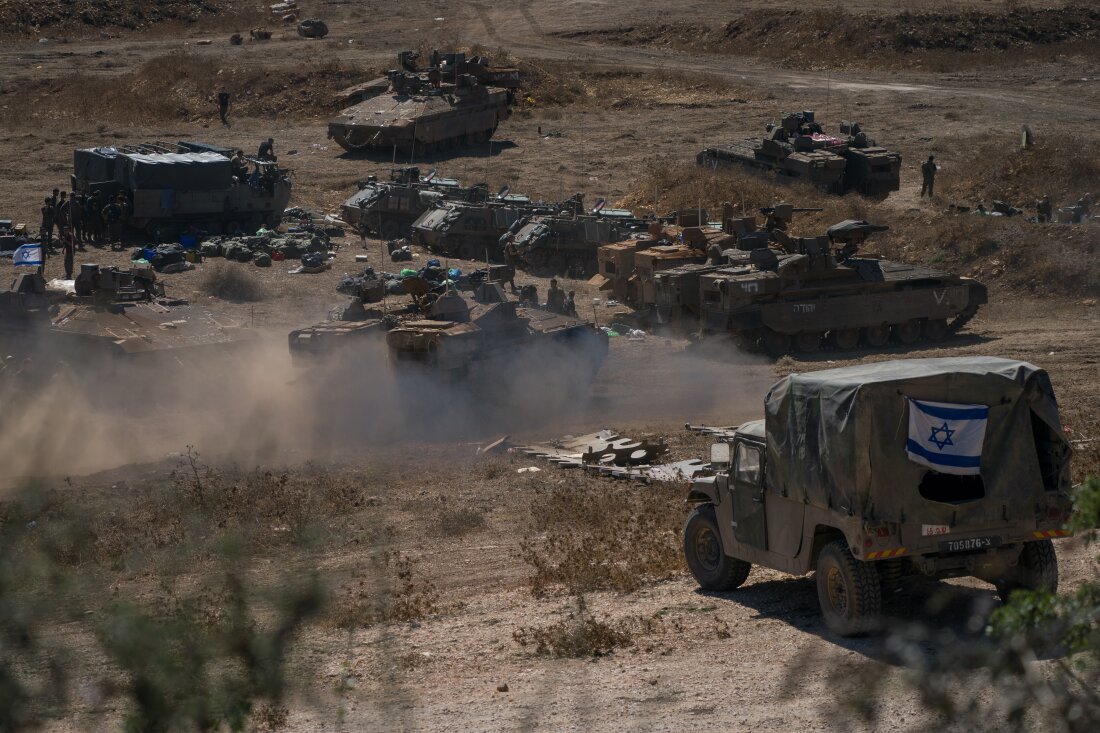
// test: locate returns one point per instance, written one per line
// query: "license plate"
(974, 543)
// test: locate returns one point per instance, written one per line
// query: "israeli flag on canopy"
(28, 254)
(947, 437)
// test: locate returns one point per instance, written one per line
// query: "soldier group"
(81, 219)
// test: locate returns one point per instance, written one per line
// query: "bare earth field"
(631, 113)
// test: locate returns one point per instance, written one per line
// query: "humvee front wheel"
(1038, 570)
(848, 590)
(707, 560)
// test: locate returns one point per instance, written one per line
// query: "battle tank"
(389, 208)
(799, 148)
(116, 318)
(489, 342)
(454, 102)
(815, 288)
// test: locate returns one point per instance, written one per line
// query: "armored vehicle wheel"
(775, 343)
(846, 338)
(877, 336)
(1038, 570)
(708, 562)
(848, 590)
(908, 332)
(808, 342)
(935, 329)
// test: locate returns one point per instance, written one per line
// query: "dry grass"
(595, 534)
(459, 522)
(391, 591)
(936, 41)
(581, 634)
(179, 87)
(231, 282)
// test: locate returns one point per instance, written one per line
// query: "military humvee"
(831, 481)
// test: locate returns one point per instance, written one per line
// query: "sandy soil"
(757, 659)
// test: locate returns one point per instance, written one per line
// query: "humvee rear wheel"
(908, 332)
(707, 560)
(775, 343)
(847, 338)
(935, 329)
(877, 336)
(808, 341)
(848, 590)
(1038, 570)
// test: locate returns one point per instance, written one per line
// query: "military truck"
(456, 101)
(818, 287)
(171, 186)
(799, 148)
(389, 208)
(868, 474)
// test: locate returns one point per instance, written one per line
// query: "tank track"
(962, 319)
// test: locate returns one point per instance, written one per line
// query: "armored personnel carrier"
(454, 102)
(389, 208)
(473, 231)
(568, 243)
(489, 340)
(170, 186)
(818, 287)
(799, 147)
(115, 318)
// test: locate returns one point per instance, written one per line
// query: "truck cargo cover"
(179, 171)
(836, 438)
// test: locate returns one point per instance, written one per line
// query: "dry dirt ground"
(756, 659)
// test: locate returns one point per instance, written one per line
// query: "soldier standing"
(45, 234)
(555, 298)
(1045, 209)
(223, 106)
(93, 214)
(571, 304)
(76, 214)
(928, 174)
(112, 214)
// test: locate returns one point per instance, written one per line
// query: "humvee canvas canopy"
(837, 438)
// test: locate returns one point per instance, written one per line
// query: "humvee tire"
(1038, 570)
(708, 562)
(848, 591)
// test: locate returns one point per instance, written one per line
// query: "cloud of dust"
(251, 406)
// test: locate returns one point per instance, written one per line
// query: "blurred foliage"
(197, 639)
(1035, 667)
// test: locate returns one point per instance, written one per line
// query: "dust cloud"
(254, 407)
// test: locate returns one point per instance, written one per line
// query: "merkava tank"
(567, 243)
(816, 290)
(389, 208)
(454, 102)
(799, 148)
(474, 231)
(114, 320)
(170, 186)
(489, 342)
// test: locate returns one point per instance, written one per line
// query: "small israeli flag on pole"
(947, 437)
(28, 254)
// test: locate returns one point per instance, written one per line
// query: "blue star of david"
(945, 440)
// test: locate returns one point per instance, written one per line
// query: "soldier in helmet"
(46, 230)
(1045, 209)
(928, 176)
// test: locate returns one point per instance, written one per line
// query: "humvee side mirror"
(720, 455)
